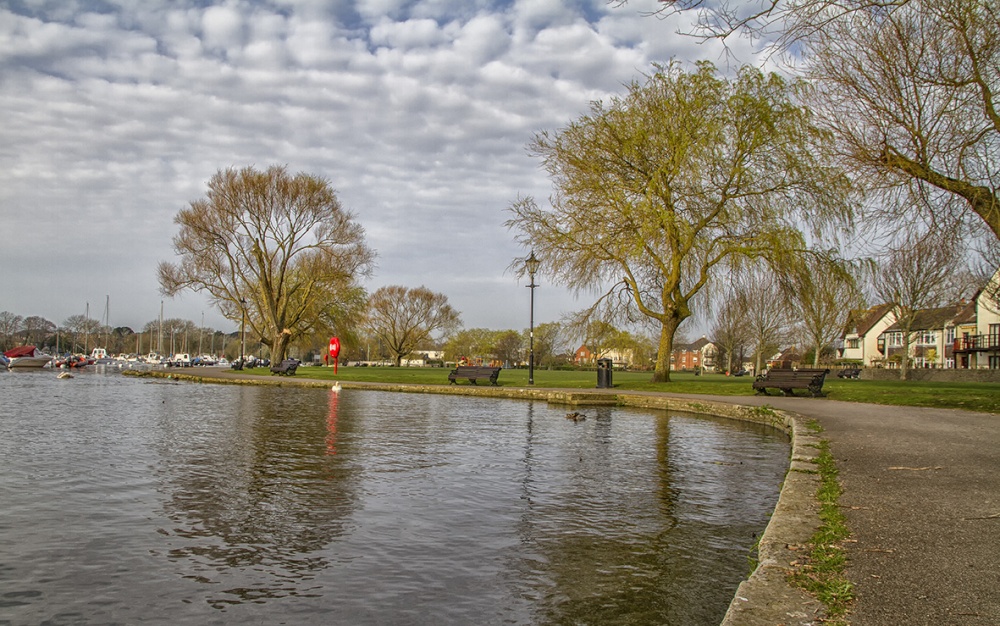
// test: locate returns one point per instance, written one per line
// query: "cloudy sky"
(116, 113)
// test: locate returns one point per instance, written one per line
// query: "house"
(699, 355)
(932, 338)
(977, 342)
(620, 359)
(785, 360)
(864, 327)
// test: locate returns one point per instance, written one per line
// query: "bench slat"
(787, 380)
(472, 374)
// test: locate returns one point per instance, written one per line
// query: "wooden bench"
(475, 373)
(849, 372)
(787, 380)
(286, 368)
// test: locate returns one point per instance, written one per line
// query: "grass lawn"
(983, 397)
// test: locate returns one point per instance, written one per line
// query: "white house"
(862, 334)
(977, 341)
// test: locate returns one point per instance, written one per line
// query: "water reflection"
(204, 504)
(260, 503)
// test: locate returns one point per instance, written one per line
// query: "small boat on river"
(27, 357)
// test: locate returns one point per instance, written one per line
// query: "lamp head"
(532, 263)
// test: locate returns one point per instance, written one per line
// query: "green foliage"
(660, 188)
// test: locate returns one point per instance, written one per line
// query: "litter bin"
(604, 378)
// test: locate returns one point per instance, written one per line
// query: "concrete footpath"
(921, 496)
(922, 499)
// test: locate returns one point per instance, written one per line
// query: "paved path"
(922, 499)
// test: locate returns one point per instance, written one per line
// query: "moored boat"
(27, 357)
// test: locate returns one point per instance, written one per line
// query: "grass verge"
(984, 397)
(821, 573)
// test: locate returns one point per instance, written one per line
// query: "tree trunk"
(816, 356)
(903, 365)
(661, 374)
(279, 346)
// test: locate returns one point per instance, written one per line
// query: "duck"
(576, 417)
(64, 375)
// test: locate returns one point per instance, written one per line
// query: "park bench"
(286, 368)
(475, 373)
(849, 372)
(787, 380)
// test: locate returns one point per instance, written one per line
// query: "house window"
(854, 343)
(895, 339)
(949, 335)
(994, 362)
(994, 335)
(928, 337)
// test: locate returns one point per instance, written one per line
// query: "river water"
(127, 500)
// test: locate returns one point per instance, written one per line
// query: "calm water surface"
(126, 500)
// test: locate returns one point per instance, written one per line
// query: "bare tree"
(658, 190)
(821, 291)
(767, 314)
(913, 277)
(10, 325)
(910, 95)
(276, 247)
(37, 329)
(731, 327)
(403, 318)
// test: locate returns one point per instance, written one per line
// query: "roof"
(931, 319)
(863, 320)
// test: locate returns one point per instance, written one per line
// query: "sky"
(115, 114)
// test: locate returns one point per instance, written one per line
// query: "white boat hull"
(29, 361)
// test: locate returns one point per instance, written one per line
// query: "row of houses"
(962, 336)
(965, 335)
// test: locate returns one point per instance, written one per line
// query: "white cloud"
(417, 112)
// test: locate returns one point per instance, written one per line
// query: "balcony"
(977, 343)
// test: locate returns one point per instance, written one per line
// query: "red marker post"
(334, 352)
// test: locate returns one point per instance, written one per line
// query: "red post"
(334, 352)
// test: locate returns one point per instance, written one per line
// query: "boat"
(72, 360)
(27, 356)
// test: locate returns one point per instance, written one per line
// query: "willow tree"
(662, 187)
(277, 248)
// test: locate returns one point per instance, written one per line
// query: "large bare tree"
(403, 318)
(913, 277)
(661, 187)
(911, 96)
(278, 247)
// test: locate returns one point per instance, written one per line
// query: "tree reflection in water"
(260, 505)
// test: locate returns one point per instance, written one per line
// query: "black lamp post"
(531, 264)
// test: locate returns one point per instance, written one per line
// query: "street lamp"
(531, 264)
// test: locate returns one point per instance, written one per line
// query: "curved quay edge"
(765, 597)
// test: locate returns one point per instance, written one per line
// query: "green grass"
(984, 397)
(822, 573)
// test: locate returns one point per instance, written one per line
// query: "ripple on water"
(127, 500)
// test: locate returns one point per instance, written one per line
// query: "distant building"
(621, 359)
(700, 354)
(785, 360)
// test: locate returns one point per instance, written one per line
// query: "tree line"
(692, 189)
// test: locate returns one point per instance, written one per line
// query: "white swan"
(335, 388)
